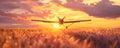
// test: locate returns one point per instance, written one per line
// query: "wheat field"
(37, 38)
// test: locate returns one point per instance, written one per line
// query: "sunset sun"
(56, 25)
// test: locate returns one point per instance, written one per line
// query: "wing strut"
(68, 25)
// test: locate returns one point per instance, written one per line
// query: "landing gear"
(66, 27)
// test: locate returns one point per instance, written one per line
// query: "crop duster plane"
(62, 22)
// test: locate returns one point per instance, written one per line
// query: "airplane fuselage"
(61, 21)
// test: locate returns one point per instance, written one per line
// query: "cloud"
(103, 9)
(18, 13)
(10, 9)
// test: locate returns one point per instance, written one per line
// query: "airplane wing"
(76, 21)
(46, 21)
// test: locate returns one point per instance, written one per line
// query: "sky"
(19, 13)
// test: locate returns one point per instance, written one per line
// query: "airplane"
(61, 21)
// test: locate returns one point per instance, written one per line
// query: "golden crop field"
(36, 38)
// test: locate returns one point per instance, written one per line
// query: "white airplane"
(61, 21)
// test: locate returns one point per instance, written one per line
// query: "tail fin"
(61, 18)
(58, 17)
(64, 17)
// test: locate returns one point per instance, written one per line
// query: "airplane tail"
(58, 17)
(64, 17)
(61, 18)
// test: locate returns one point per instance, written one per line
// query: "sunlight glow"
(56, 25)
(91, 1)
(115, 2)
